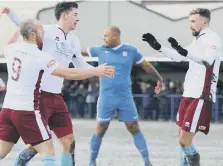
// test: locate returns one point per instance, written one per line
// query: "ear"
(33, 34)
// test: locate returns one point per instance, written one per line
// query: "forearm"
(197, 57)
(13, 38)
(80, 74)
(150, 69)
(172, 54)
(14, 18)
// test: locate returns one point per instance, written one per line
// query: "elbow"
(207, 63)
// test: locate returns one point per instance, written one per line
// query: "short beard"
(195, 33)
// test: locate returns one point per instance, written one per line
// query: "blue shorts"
(124, 105)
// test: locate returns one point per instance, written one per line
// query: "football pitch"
(118, 149)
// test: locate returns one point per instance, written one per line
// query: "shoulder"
(130, 48)
(73, 38)
(49, 27)
(11, 47)
(213, 36)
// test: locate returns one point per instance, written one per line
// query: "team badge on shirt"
(51, 63)
(124, 53)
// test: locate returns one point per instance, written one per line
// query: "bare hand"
(158, 87)
(104, 70)
(4, 10)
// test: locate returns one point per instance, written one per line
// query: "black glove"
(175, 45)
(151, 40)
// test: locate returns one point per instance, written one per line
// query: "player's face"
(196, 23)
(71, 18)
(109, 39)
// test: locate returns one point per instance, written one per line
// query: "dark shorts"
(55, 111)
(30, 125)
(194, 115)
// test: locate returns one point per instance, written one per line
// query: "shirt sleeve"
(139, 58)
(14, 18)
(93, 51)
(172, 54)
(208, 51)
(78, 60)
(48, 63)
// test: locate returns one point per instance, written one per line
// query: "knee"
(101, 129)
(68, 143)
(45, 148)
(132, 127)
(184, 142)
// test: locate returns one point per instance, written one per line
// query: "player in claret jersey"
(61, 43)
(200, 85)
(20, 115)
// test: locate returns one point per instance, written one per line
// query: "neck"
(117, 43)
(30, 41)
(63, 27)
(205, 27)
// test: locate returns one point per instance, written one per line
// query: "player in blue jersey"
(116, 94)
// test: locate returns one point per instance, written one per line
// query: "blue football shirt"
(122, 58)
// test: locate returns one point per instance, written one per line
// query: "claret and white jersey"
(65, 48)
(204, 62)
(25, 62)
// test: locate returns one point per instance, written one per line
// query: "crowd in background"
(81, 97)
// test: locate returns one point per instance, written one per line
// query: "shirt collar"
(203, 32)
(117, 47)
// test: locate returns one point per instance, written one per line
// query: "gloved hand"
(175, 45)
(152, 41)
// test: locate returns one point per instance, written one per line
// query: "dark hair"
(202, 12)
(63, 7)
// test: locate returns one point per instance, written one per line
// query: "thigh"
(46, 105)
(8, 131)
(105, 109)
(182, 110)
(5, 147)
(204, 120)
(54, 110)
(31, 126)
(198, 116)
(127, 110)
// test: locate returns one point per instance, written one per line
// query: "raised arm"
(205, 54)
(14, 37)
(12, 15)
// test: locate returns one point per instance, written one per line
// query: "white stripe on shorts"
(196, 117)
(41, 126)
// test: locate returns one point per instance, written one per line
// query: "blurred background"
(162, 18)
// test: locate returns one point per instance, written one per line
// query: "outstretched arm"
(80, 74)
(12, 15)
(205, 54)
